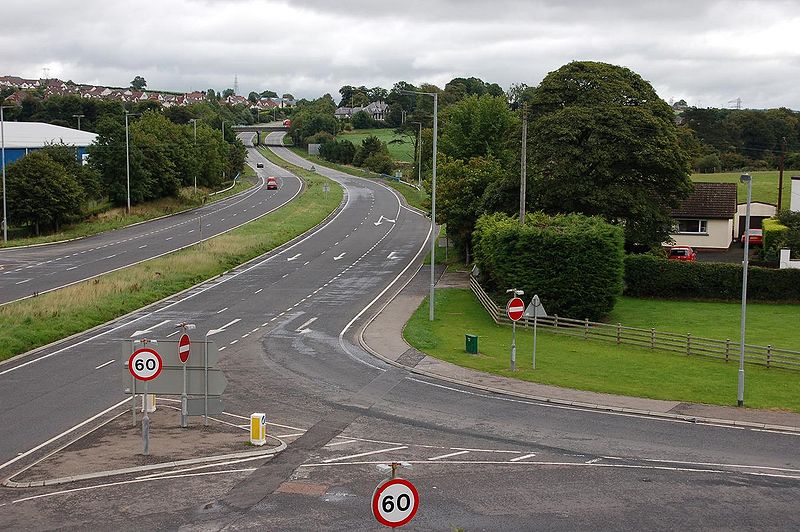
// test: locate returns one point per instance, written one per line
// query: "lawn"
(594, 366)
(403, 150)
(765, 184)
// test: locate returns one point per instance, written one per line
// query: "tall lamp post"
(194, 121)
(433, 193)
(79, 120)
(3, 149)
(419, 153)
(744, 178)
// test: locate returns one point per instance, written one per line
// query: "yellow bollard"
(258, 429)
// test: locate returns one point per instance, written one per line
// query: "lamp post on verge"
(433, 193)
(194, 121)
(419, 153)
(3, 162)
(744, 178)
(79, 120)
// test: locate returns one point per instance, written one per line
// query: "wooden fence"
(685, 344)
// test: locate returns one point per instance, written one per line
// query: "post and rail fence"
(685, 344)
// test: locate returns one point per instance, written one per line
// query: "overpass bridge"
(258, 129)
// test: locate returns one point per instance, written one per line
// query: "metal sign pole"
(205, 396)
(513, 346)
(535, 319)
(184, 402)
(133, 386)
(146, 424)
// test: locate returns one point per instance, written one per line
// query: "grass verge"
(765, 185)
(594, 366)
(115, 218)
(401, 147)
(31, 323)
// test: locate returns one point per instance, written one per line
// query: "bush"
(649, 276)
(775, 237)
(379, 163)
(362, 120)
(338, 152)
(369, 146)
(573, 262)
(321, 137)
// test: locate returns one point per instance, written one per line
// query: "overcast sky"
(706, 52)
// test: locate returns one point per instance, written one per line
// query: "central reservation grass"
(765, 185)
(34, 322)
(592, 365)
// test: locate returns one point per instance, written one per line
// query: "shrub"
(573, 262)
(775, 237)
(369, 145)
(379, 163)
(362, 120)
(338, 152)
(649, 276)
(320, 137)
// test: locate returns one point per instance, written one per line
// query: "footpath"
(383, 336)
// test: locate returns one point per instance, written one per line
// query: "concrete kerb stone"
(576, 404)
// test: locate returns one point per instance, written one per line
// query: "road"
(38, 269)
(479, 460)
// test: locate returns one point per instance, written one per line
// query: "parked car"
(259, 165)
(272, 183)
(756, 237)
(685, 253)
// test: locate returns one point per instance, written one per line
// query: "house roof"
(709, 200)
(39, 135)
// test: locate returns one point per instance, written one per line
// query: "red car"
(272, 183)
(756, 237)
(684, 253)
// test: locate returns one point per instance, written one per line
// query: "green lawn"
(400, 151)
(765, 184)
(592, 365)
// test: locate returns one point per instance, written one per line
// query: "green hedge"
(650, 276)
(776, 236)
(573, 262)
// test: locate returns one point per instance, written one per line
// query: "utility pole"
(78, 116)
(780, 174)
(523, 165)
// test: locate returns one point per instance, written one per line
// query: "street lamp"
(744, 178)
(79, 120)
(194, 121)
(433, 193)
(419, 153)
(3, 149)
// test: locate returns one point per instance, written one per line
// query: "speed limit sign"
(395, 502)
(145, 364)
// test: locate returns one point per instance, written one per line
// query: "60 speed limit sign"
(395, 502)
(145, 364)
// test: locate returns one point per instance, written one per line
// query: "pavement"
(383, 336)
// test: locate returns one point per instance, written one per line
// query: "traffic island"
(116, 448)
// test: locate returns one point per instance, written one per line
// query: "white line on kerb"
(379, 451)
(104, 364)
(447, 455)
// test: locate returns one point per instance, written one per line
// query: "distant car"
(683, 253)
(287, 123)
(756, 237)
(272, 183)
(259, 165)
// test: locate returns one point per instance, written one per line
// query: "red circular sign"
(395, 502)
(145, 364)
(515, 309)
(184, 346)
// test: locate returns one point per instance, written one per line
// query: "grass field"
(594, 366)
(115, 218)
(765, 184)
(400, 151)
(34, 322)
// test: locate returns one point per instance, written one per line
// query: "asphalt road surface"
(38, 269)
(480, 461)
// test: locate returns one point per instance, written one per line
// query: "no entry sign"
(515, 309)
(395, 502)
(184, 346)
(145, 364)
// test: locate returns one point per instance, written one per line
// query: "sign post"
(514, 309)
(395, 502)
(535, 309)
(184, 349)
(145, 364)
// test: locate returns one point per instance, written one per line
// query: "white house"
(705, 219)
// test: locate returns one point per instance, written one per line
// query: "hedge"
(650, 276)
(573, 262)
(775, 237)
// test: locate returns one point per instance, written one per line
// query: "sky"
(707, 52)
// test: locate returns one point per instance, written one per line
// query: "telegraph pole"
(523, 165)
(780, 174)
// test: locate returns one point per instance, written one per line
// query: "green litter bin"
(472, 344)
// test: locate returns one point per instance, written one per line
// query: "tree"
(138, 83)
(269, 94)
(362, 120)
(479, 126)
(253, 97)
(287, 96)
(41, 191)
(227, 93)
(604, 143)
(87, 178)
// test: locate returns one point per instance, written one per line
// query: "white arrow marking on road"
(380, 220)
(392, 255)
(339, 256)
(302, 328)
(290, 259)
(237, 320)
(139, 333)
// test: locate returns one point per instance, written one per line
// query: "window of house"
(692, 226)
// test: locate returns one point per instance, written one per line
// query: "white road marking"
(257, 291)
(223, 348)
(593, 460)
(290, 435)
(105, 364)
(237, 320)
(72, 268)
(339, 256)
(173, 333)
(524, 457)
(392, 255)
(290, 259)
(222, 310)
(142, 247)
(139, 333)
(306, 263)
(284, 275)
(110, 256)
(302, 328)
(379, 451)
(169, 238)
(340, 443)
(25, 281)
(233, 342)
(447, 455)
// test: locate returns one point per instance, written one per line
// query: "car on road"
(682, 253)
(756, 237)
(272, 183)
(259, 165)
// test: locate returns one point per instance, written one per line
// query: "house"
(377, 110)
(705, 219)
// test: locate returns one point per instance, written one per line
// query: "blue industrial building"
(20, 138)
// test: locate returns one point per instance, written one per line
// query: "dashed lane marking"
(448, 455)
(368, 453)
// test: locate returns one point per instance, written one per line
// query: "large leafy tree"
(604, 143)
(138, 83)
(479, 126)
